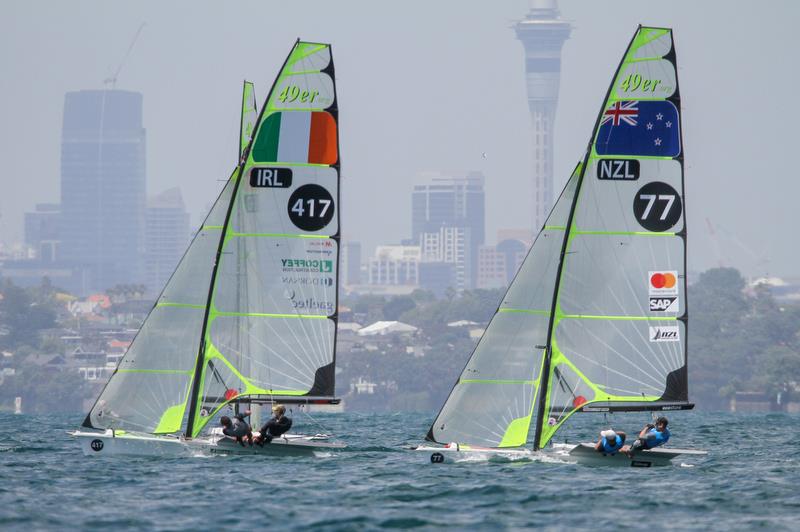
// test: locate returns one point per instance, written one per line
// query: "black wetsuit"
(238, 429)
(275, 427)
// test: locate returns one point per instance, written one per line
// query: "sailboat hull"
(135, 444)
(586, 454)
(453, 453)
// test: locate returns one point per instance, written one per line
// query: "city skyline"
(191, 89)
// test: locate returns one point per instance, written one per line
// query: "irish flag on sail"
(297, 137)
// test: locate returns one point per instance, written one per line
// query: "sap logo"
(271, 177)
(618, 169)
(665, 334)
(663, 304)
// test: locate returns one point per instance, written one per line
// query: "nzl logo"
(271, 177)
(618, 169)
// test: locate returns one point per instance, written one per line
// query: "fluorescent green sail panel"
(616, 336)
(272, 316)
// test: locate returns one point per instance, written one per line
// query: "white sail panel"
(287, 200)
(516, 338)
(610, 275)
(276, 275)
(532, 288)
(611, 186)
(151, 381)
(486, 414)
(143, 402)
(276, 354)
(194, 270)
(624, 358)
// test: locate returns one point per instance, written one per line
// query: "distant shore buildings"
(104, 232)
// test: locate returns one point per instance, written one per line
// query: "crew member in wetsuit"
(239, 429)
(276, 426)
(650, 437)
(610, 442)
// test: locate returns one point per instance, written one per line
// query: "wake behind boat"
(595, 319)
(249, 316)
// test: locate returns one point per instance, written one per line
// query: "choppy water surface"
(751, 479)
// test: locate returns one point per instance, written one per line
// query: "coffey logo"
(307, 265)
(668, 333)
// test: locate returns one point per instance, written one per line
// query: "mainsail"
(251, 309)
(595, 319)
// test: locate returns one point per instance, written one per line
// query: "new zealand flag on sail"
(649, 128)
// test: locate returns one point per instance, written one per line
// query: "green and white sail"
(251, 309)
(601, 298)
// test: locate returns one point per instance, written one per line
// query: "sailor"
(610, 442)
(650, 437)
(276, 426)
(238, 429)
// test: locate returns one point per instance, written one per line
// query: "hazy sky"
(423, 85)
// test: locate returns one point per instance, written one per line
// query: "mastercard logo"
(663, 280)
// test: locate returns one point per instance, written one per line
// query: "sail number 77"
(657, 206)
(651, 199)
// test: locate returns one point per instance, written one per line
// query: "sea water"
(750, 479)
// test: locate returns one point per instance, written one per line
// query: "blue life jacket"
(610, 448)
(658, 438)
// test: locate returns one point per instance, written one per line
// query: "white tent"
(386, 327)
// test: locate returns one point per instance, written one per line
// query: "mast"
(545, 373)
(195, 393)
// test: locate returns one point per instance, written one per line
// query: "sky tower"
(542, 33)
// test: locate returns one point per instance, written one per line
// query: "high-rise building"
(542, 34)
(448, 245)
(43, 231)
(351, 263)
(394, 265)
(166, 237)
(103, 186)
(451, 202)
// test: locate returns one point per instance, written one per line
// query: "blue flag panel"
(648, 128)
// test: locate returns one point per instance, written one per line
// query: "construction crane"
(112, 81)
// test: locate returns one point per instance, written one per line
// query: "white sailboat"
(249, 316)
(595, 320)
